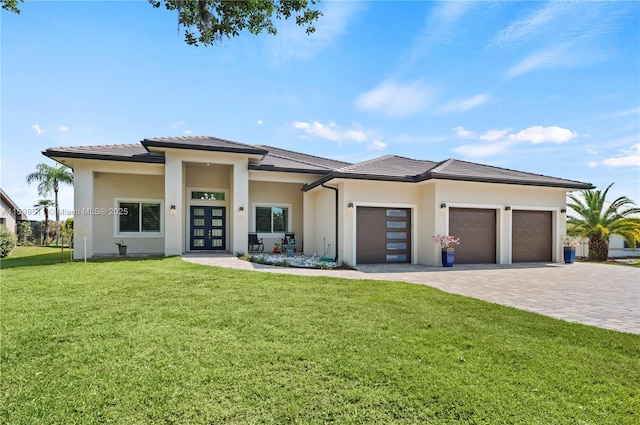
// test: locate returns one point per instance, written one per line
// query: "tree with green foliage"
(44, 205)
(49, 179)
(7, 241)
(210, 21)
(597, 220)
(11, 5)
(24, 232)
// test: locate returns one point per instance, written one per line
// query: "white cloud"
(480, 150)
(396, 100)
(464, 133)
(377, 145)
(493, 135)
(440, 28)
(259, 122)
(592, 151)
(499, 141)
(523, 29)
(37, 129)
(538, 134)
(176, 125)
(592, 164)
(564, 35)
(548, 58)
(330, 131)
(464, 104)
(630, 158)
(187, 132)
(292, 42)
(63, 128)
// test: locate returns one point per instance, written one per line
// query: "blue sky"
(546, 87)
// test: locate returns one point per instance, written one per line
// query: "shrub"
(344, 265)
(7, 241)
(25, 233)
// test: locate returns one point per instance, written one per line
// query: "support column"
(82, 218)
(240, 219)
(173, 195)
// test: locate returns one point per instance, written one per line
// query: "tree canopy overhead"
(210, 21)
(11, 5)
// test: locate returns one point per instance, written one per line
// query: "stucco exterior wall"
(324, 226)
(211, 177)
(108, 187)
(428, 252)
(428, 218)
(498, 196)
(617, 249)
(284, 194)
(9, 216)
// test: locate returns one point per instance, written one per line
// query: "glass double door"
(208, 226)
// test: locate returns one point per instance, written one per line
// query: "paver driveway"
(602, 295)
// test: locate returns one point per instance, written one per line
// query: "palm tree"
(50, 179)
(44, 205)
(597, 220)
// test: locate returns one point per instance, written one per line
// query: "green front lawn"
(165, 341)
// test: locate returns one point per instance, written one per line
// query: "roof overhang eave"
(568, 185)
(57, 156)
(354, 176)
(247, 151)
(255, 167)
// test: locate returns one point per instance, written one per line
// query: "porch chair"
(289, 239)
(255, 243)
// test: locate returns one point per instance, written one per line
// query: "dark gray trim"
(159, 144)
(257, 167)
(151, 159)
(431, 176)
(568, 185)
(354, 176)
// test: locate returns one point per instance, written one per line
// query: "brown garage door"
(476, 229)
(531, 236)
(383, 235)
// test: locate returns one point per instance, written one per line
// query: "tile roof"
(286, 160)
(205, 143)
(397, 168)
(130, 152)
(388, 167)
(454, 169)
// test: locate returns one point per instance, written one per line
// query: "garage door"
(531, 236)
(476, 229)
(383, 235)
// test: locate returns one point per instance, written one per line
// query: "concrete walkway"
(602, 295)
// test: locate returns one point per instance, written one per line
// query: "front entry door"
(208, 228)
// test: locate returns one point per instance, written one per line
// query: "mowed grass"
(165, 341)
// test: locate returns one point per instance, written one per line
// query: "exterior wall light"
(443, 205)
(173, 209)
(350, 206)
(241, 210)
(563, 211)
(507, 208)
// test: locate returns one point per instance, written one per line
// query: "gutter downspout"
(336, 190)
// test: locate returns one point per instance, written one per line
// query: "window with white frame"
(272, 219)
(139, 217)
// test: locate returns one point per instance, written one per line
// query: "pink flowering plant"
(446, 241)
(569, 242)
